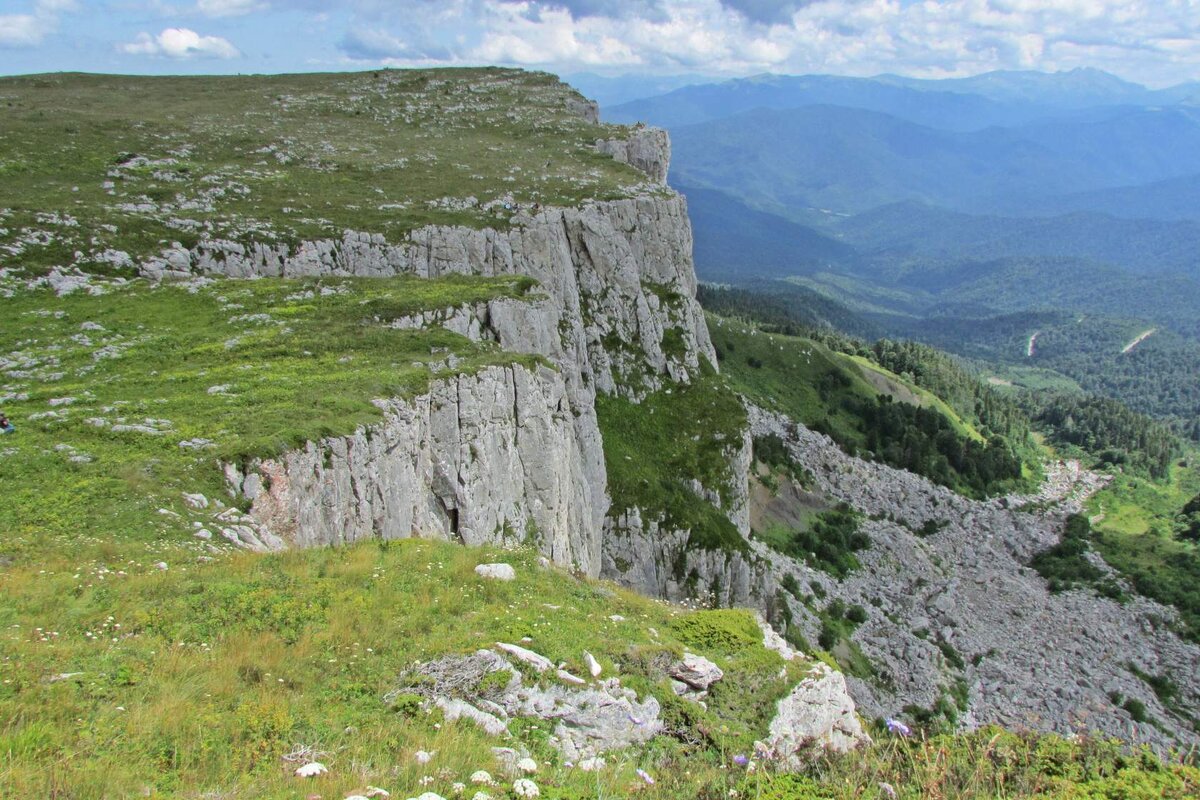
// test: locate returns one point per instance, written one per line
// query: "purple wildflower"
(641, 773)
(898, 727)
(741, 760)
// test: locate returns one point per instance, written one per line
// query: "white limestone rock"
(497, 572)
(817, 716)
(538, 662)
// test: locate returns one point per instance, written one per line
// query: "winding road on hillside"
(1143, 336)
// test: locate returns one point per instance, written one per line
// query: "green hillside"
(869, 410)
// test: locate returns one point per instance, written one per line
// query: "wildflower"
(523, 787)
(458, 788)
(645, 776)
(481, 796)
(887, 789)
(527, 765)
(481, 776)
(423, 757)
(898, 727)
(426, 780)
(741, 760)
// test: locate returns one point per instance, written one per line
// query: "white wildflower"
(523, 787)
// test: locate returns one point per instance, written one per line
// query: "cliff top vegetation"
(95, 169)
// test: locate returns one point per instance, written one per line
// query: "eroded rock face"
(660, 561)
(490, 458)
(616, 271)
(644, 553)
(618, 284)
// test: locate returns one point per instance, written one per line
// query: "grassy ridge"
(865, 408)
(1133, 532)
(100, 163)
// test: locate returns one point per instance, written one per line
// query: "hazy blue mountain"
(908, 231)
(849, 160)
(736, 244)
(1172, 199)
(1130, 145)
(941, 109)
(964, 104)
(1076, 88)
(614, 90)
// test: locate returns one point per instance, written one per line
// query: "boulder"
(498, 572)
(817, 716)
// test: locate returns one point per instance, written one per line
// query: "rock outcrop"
(648, 149)
(485, 688)
(490, 457)
(818, 716)
(646, 553)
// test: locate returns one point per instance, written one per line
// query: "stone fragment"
(696, 671)
(538, 662)
(818, 715)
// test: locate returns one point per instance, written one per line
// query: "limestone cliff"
(485, 457)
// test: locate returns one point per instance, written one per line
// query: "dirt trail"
(1141, 338)
(1029, 351)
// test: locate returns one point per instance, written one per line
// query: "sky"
(1156, 42)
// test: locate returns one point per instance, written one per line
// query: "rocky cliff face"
(648, 554)
(485, 458)
(957, 614)
(620, 273)
(644, 148)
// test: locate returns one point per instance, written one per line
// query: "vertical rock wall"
(489, 458)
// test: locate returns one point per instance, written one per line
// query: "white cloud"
(29, 30)
(180, 43)
(1152, 40)
(21, 30)
(229, 8)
